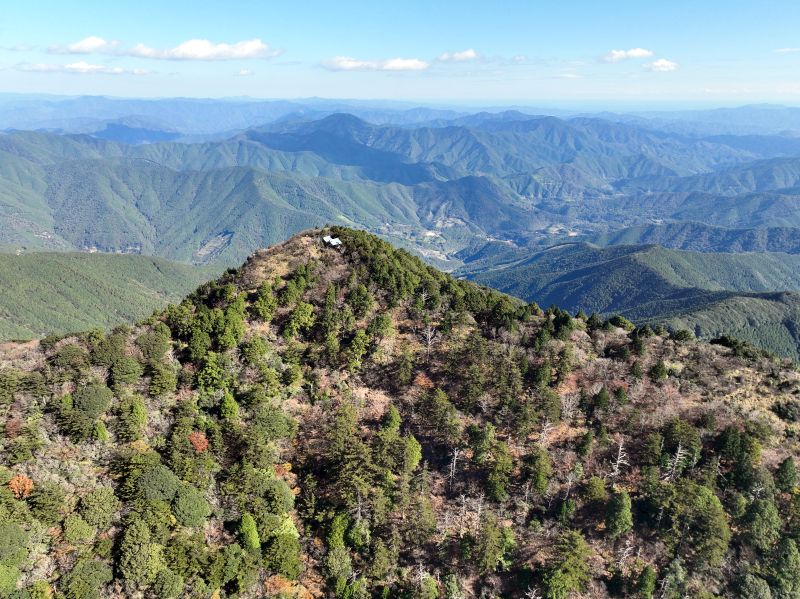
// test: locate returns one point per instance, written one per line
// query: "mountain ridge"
(351, 421)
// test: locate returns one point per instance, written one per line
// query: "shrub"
(248, 533)
(76, 529)
(622, 322)
(190, 507)
(163, 379)
(788, 410)
(158, 484)
(46, 501)
(154, 344)
(79, 412)
(681, 335)
(98, 507)
(131, 418)
(659, 371)
(126, 370)
(168, 584)
(85, 580)
(8, 579)
(13, 544)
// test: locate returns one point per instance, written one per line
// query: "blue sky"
(656, 53)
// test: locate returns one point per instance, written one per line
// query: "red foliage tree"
(199, 441)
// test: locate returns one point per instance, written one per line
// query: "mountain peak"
(325, 411)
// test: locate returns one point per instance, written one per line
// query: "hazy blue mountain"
(704, 238)
(484, 192)
(758, 119)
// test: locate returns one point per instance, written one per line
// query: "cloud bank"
(78, 68)
(662, 65)
(194, 49)
(201, 49)
(463, 56)
(620, 55)
(347, 63)
(88, 45)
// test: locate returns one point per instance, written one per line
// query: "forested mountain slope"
(530, 174)
(352, 423)
(57, 293)
(710, 294)
(699, 237)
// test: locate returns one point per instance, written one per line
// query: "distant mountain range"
(517, 180)
(197, 116)
(207, 182)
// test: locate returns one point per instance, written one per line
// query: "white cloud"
(569, 76)
(245, 73)
(199, 49)
(620, 55)
(463, 56)
(346, 63)
(88, 45)
(77, 68)
(787, 50)
(662, 65)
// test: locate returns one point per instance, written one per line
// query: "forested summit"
(349, 422)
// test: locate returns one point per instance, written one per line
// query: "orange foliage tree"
(21, 486)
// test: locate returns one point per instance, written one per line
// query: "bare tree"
(569, 405)
(547, 426)
(453, 464)
(527, 495)
(621, 459)
(676, 463)
(429, 336)
(574, 475)
(626, 552)
(423, 297)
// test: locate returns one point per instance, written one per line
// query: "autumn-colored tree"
(21, 486)
(199, 441)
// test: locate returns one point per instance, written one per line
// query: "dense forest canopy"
(350, 422)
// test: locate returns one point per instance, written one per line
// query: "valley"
(481, 196)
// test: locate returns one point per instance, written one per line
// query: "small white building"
(332, 241)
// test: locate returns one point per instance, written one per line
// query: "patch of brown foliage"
(423, 381)
(21, 486)
(14, 428)
(199, 441)
(278, 586)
